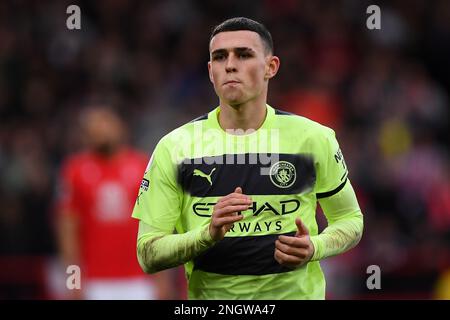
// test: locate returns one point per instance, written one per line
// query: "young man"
(240, 186)
(95, 231)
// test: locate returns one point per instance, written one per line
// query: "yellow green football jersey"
(285, 166)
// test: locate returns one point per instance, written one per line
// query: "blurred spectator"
(97, 191)
(385, 92)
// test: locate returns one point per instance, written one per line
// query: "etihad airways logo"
(284, 207)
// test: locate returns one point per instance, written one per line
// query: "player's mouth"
(231, 82)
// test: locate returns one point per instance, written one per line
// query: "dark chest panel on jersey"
(220, 175)
(250, 255)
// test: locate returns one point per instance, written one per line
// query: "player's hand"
(226, 213)
(293, 252)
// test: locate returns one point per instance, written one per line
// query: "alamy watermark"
(374, 280)
(236, 146)
(74, 19)
(374, 20)
(73, 281)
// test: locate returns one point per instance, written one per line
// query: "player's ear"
(272, 66)
(211, 78)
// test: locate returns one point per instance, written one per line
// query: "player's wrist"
(206, 236)
(315, 242)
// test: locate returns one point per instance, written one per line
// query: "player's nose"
(230, 65)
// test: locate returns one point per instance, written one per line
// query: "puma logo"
(199, 173)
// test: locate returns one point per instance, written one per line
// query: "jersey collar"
(214, 118)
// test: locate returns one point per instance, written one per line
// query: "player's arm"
(338, 201)
(67, 215)
(344, 230)
(158, 250)
(68, 242)
(345, 224)
(68, 237)
(158, 208)
(340, 206)
(68, 222)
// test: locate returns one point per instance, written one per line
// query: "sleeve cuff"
(317, 243)
(205, 236)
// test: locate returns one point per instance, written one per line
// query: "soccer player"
(240, 185)
(95, 231)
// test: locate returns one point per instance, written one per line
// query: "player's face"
(103, 130)
(239, 66)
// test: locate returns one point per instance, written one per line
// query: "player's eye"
(218, 57)
(244, 55)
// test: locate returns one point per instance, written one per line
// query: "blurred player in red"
(95, 231)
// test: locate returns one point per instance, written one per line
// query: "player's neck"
(250, 115)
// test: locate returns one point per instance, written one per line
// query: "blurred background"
(385, 93)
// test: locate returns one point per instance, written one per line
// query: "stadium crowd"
(384, 92)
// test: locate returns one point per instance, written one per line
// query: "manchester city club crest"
(283, 174)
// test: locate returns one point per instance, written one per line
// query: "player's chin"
(235, 102)
(233, 97)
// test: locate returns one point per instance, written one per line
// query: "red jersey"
(102, 192)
